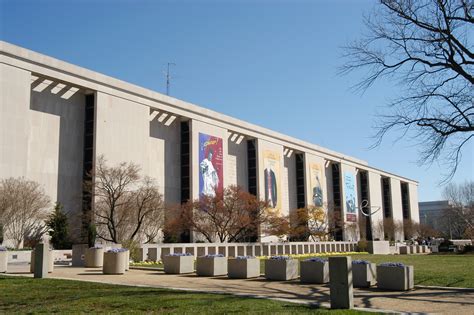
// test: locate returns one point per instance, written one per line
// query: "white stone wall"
(397, 212)
(375, 195)
(236, 168)
(289, 198)
(14, 131)
(42, 137)
(414, 208)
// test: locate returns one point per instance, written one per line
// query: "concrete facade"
(42, 138)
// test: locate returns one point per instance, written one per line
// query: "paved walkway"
(446, 301)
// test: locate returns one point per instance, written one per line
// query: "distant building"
(436, 214)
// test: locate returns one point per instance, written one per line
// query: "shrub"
(362, 246)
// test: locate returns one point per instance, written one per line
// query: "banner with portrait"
(350, 197)
(211, 165)
(271, 175)
(315, 180)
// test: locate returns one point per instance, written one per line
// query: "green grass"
(21, 295)
(452, 270)
(447, 270)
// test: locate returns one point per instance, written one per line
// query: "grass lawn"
(447, 270)
(28, 295)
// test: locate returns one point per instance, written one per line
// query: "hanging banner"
(315, 173)
(271, 175)
(211, 164)
(350, 197)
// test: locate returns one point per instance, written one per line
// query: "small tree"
(58, 226)
(226, 217)
(23, 209)
(310, 222)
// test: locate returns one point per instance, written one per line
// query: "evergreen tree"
(58, 228)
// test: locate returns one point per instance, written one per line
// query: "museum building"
(57, 118)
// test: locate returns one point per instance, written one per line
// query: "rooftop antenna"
(168, 77)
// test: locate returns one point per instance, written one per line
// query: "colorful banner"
(315, 179)
(350, 196)
(211, 165)
(271, 175)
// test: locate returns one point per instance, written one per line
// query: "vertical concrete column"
(340, 275)
(41, 261)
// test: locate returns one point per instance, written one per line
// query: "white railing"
(155, 252)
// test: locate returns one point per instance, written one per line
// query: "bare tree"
(427, 46)
(461, 212)
(126, 205)
(23, 209)
(390, 228)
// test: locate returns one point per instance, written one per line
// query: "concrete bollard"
(41, 261)
(340, 282)
(78, 252)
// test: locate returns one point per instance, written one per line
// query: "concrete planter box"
(282, 270)
(395, 278)
(378, 247)
(178, 264)
(50, 261)
(405, 250)
(3, 261)
(114, 263)
(364, 275)
(244, 268)
(314, 271)
(94, 257)
(211, 266)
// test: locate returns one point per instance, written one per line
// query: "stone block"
(364, 275)
(211, 266)
(78, 254)
(341, 288)
(243, 268)
(378, 247)
(50, 261)
(395, 278)
(41, 261)
(314, 271)
(178, 264)
(281, 269)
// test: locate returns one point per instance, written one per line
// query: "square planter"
(178, 264)
(281, 269)
(210, 266)
(378, 247)
(3, 260)
(50, 261)
(405, 250)
(114, 263)
(397, 278)
(94, 257)
(314, 271)
(364, 275)
(244, 268)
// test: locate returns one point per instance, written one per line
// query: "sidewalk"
(447, 301)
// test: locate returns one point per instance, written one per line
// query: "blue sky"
(272, 63)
